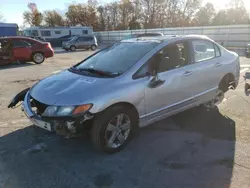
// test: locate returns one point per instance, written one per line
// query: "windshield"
(118, 58)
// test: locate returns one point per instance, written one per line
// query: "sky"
(12, 10)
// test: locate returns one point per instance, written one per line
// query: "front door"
(173, 88)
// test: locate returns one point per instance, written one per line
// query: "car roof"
(85, 35)
(165, 38)
(22, 38)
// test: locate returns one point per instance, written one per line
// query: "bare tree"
(53, 18)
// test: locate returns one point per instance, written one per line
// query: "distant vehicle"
(80, 42)
(248, 51)
(39, 38)
(24, 49)
(58, 41)
(131, 84)
(52, 33)
(8, 29)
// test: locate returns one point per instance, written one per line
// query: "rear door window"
(88, 39)
(203, 50)
(81, 39)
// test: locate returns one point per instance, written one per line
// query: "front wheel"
(38, 58)
(113, 129)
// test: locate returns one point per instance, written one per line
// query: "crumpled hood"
(67, 88)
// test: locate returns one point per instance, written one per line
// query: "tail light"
(48, 45)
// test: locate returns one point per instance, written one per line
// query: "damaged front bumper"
(67, 126)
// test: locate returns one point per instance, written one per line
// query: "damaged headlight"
(53, 111)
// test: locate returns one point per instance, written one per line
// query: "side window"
(31, 42)
(20, 44)
(217, 51)
(58, 32)
(88, 38)
(148, 67)
(84, 31)
(34, 33)
(170, 57)
(173, 56)
(46, 33)
(81, 39)
(203, 50)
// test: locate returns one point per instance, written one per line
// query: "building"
(8, 29)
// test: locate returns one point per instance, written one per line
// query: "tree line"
(137, 14)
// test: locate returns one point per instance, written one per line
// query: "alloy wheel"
(117, 131)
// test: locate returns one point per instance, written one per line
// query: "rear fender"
(18, 98)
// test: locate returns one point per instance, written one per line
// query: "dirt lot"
(197, 148)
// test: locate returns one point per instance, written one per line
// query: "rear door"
(89, 41)
(21, 50)
(81, 42)
(207, 61)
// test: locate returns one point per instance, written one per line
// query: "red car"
(24, 49)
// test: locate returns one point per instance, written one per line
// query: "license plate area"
(41, 124)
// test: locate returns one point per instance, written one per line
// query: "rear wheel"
(72, 48)
(217, 100)
(38, 58)
(113, 129)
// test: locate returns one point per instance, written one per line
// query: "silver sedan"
(131, 84)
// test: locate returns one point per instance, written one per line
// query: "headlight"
(53, 111)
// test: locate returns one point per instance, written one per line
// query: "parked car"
(57, 42)
(248, 51)
(131, 84)
(24, 49)
(81, 42)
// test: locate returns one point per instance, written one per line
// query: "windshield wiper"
(99, 72)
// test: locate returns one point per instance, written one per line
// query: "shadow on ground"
(15, 65)
(193, 149)
(62, 51)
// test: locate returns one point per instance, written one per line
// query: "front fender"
(18, 98)
(133, 94)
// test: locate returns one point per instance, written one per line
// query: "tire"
(93, 47)
(247, 86)
(101, 135)
(38, 58)
(72, 48)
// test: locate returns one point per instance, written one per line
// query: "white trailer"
(57, 32)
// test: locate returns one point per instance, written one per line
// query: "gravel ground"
(197, 148)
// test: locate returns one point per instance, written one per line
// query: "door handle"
(188, 73)
(217, 64)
